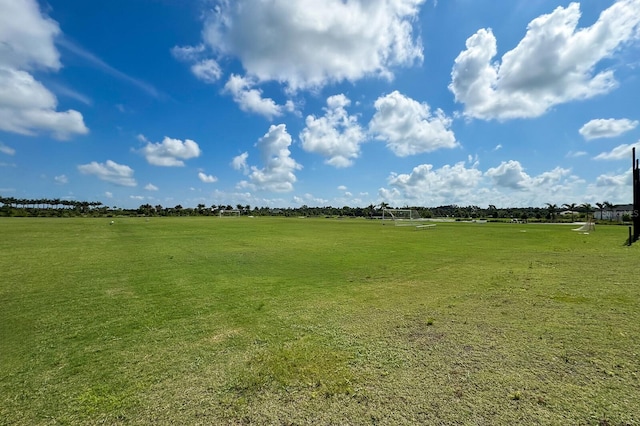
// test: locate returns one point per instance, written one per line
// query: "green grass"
(316, 321)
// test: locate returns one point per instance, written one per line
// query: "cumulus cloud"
(110, 171)
(307, 45)
(207, 178)
(62, 179)
(336, 135)
(310, 199)
(554, 63)
(27, 107)
(510, 174)
(204, 68)
(408, 127)
(170, 152)
(505, 185)
(27, 36)
(607, 128)
(239, 162)
(429, 185)
(207, 70)
(615, 181)
(27, 43)
(621, 152)
(151, 187)
(250, 99)
(277, 175)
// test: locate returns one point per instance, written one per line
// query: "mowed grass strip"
(323, 321)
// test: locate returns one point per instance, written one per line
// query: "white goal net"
(587, 227)
(229, 213)
(401, 217)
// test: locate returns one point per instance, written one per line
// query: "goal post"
(229, 213)
(401, 217)
(587, 227)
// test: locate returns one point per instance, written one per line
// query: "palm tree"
(587, 208)
(601, 208)
(553, 209)
(607, 205)
(571, 207)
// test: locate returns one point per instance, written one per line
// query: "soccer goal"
(229, 213)
(587, 227)
(401, 217)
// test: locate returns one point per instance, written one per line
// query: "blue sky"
(284, 103)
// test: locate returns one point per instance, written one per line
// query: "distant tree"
(609, 206)
(571, 207)
(553, 210)
(587, 209)
(601, 208)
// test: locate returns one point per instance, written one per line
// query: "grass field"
(316, 321)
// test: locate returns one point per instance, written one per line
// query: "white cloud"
(408, 127)
(27, 37)
(151, 187)
(62, 179)
(207, 70)
(310, 200)
(239, 162)
(429, 186)
(506, 185)
(342, 188)
(308, 44)
(607, 128)
(26, 43)
(203, 67)
(188, 53)
(613, 180)
(207, 178)
(170, 152)
(621, 152)
(110, 171)
(277, 175)
(27, 107)
(336, 136)
(576, 154)
(108, 194)
(510, 174)
(251, 100)
(554, 63)
(6, 149)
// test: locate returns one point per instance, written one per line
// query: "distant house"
(614, 213)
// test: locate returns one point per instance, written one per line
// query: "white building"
(615, 213)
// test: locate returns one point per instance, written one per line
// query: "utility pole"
(636, 197)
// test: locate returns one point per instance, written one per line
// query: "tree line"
(11, 206)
